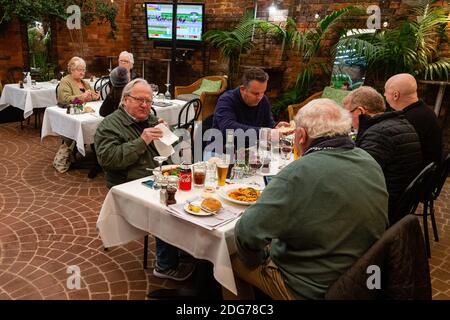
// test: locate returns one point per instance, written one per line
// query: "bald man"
(401, 94)
(389, 138)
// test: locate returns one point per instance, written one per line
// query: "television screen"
(189, 21)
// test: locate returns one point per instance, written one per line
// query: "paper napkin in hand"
(164, 144)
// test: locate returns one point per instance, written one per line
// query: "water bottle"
(229, 146)
(29, 79)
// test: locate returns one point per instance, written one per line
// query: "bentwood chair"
(103, 85)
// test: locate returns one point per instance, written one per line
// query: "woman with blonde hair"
(72, 86)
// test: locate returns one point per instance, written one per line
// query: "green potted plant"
(411, 47)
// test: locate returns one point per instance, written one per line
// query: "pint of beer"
(222, 170)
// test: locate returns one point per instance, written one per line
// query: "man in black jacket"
(388, 137)
(401, 94)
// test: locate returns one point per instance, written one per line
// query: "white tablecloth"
(131, 210)
(78, 127)
(82, 127)
(42, 96)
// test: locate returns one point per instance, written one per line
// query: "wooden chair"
(293, 108)
(208, 99)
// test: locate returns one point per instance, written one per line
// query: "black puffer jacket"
(392, 141)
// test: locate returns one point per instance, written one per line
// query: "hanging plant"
(38, 10)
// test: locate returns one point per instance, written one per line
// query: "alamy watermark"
(74, 20)
(374, 280)
(74, 280)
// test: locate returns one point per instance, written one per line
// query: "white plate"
(201, 213)
(223, 192)
(169, 167)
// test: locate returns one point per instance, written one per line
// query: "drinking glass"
(199, 170)
(160, 160)
(237, 174)
(222, 171)
(155, 89)
(255, 161)
(264, 138)
(210, 179)
(25, 76)
(285, 151)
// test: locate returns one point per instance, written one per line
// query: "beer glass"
(222, 171)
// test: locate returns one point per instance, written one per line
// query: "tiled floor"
(47, 223)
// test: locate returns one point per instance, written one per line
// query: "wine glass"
(160, 160)
(255, 162)
(167, 94)
(61, 73)
(285, 151)
(155, 89)
(24, 76)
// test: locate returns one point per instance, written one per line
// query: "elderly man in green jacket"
(125, 149)
(318, 215)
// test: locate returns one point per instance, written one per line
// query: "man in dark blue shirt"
(246, 107)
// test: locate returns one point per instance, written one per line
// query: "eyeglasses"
(142, 100)
(353, 110)
(124, 61)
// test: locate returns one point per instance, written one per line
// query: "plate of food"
(170, 170)
(206, 207)
(288, 130)
(240, 194)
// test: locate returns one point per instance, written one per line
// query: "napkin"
(164, 144)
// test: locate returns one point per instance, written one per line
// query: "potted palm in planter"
(411, 47)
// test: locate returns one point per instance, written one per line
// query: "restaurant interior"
(64, 235)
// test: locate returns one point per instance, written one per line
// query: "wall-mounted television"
(189, 22)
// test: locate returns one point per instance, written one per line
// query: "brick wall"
(92, 42)
(11, 53)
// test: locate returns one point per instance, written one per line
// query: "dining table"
(40, 95)
(133, 210)
(82, 127)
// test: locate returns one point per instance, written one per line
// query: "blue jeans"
(166, 255)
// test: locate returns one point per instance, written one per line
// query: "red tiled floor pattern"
(47, 223)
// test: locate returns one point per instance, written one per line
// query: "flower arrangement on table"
(77, 106)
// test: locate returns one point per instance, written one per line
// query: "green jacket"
(68, 90)
(320, 214)
(121, 151)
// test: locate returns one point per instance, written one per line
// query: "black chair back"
(440, 177)
(103, 85)
(418, 190)
(403, 268)
(185, 120)
(187, 117)
(56, 91)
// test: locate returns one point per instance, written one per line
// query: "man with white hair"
(125, 149)
(401, 94)
(317, 216)
(126, 60)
